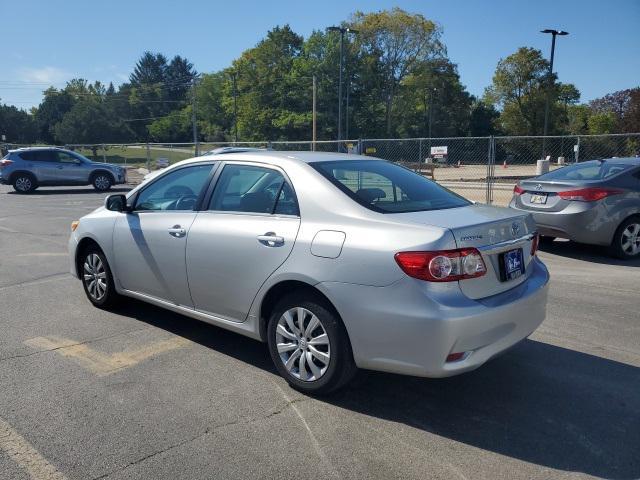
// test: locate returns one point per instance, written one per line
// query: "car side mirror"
(116, 203)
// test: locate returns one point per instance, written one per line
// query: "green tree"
(17, 125)
(54, 106)
(600, 123)
(398, 43)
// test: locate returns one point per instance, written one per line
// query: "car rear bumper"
(581, 222)
(410, 327)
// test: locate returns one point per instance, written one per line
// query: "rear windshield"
(387, 188)
(593, 170)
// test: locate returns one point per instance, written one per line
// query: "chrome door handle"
(270, 239)
(177, 231)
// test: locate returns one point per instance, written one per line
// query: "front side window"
(251, 189)
(387, 188)
(64, 157)
(177, 190)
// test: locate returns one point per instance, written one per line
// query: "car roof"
(617, 160)
(23, 149)
(279, 157)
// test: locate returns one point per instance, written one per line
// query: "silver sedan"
(336, 261)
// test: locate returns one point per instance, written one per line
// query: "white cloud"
(50, 75)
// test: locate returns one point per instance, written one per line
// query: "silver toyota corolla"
(336, 261)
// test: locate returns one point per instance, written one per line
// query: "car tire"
(626, 240)
(97, 279)
(322, 359)
(102, 182)
(24, 183)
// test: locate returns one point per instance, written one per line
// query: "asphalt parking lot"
(145, 393)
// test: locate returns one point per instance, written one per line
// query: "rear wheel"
(102, 182)
(24, 183)
(309, 344)
(626, 240)
(97, 279)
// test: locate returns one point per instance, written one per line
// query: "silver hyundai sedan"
(336, 261)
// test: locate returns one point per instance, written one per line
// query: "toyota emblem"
(515, 228)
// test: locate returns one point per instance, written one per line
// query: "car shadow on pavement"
(70, 191)
(538, 403)
(588, 253)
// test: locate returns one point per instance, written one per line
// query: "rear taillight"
(442, 266)
(534, 244)
(5, 163)
(518, 190)
(588, 194)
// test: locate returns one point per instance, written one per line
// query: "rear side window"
(593, 170)
(251, 189)
(387, 188)
(39, 156)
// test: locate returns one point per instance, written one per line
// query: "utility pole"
(549, 80)
(343, 31)
(235, 107)
(313, 116)
(346, 120)
(193, 117)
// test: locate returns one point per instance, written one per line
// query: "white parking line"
(25, 455)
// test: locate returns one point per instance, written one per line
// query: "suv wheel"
(309, 344)
(97, 279)
(24, 183)
(102, 182)
(626, 241)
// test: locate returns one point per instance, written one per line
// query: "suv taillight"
(5, 163)
(590, 194)
(443, 265)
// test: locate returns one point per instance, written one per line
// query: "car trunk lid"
(493, 231)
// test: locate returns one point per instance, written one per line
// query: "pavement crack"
(35, 280)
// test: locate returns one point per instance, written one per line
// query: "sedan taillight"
(5, 163)
(443, 265)
(590, 194)
(518, 190)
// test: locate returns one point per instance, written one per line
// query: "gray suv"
(29, 168)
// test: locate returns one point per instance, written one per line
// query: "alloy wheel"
(102, 182)
(630, 239)
(303, 344)
(95, 276)
(23, 184)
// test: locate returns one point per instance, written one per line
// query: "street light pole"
(553, 33)
(343, 31)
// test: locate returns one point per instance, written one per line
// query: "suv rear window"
(592, 170)
(387, 188)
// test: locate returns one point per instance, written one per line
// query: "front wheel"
(626, 240)
(24, 183)
(102, 182)
(309, 344)
(97, 279)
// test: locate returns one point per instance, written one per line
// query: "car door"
(246, 232)
(149, 242)
(71, 170)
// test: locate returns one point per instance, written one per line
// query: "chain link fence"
(483, 169)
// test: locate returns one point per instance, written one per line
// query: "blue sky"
(53, 41)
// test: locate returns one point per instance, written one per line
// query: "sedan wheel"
(309, 344)
(626, 241)
(303, 344)
(97, 279)
(631, 239)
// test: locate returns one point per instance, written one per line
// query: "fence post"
(359, 146)
(419, 155)
(491, 160)
(577, 151)
(148, 158)
(104, 154)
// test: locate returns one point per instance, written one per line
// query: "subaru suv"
(29, 168)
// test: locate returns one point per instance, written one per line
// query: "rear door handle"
(270, 239)
(177, 231)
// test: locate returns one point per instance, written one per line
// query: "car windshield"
(387, 188)
(592, 170)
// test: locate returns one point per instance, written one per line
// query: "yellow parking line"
(100, 363)
(25, 456)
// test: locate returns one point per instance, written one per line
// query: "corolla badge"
(515, 228)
